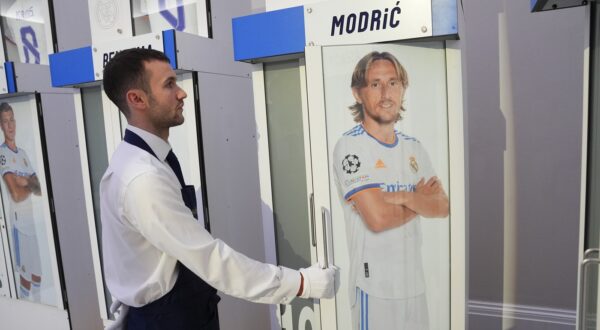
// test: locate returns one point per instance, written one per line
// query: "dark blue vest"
(192, 303)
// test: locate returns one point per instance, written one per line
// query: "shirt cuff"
(290, 282)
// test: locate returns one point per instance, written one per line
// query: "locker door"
(404, 261)
(286, 177)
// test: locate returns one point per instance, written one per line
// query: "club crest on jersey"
(351, 164)
(414, 166)
(2, 160)
(106, 13)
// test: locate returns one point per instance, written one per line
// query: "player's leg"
(360, 311)
(35, 268)
(355, 310)
(30, 264)
(24, 287)
(20, 248)
(399, 314)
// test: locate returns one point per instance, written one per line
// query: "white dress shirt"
(146, 229)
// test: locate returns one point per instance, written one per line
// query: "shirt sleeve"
(4, 162)
(351, 167)
(423, 162)
(154, 206)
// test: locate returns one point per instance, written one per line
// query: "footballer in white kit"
(386, 185)
(386, 264)
(20, 181)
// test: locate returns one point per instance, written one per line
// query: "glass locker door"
(410, 260)
(284, 153)
(588, 307)
(28, 229)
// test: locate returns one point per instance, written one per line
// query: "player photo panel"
(387, 135)
(25, 200)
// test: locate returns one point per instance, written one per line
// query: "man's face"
(382, 96)
(165, 97)
(8, 124)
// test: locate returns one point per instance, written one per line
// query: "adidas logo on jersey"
(379, 164)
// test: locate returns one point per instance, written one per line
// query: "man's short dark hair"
(359, 79)
(126, 71)
(5, 107)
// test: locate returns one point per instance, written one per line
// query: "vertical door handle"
(324, 219)
(327, 238)
(313, 230)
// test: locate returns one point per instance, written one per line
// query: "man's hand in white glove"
(318, 282)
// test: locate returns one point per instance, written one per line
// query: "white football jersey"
(20, 213)
(386, 264)
(172, 14)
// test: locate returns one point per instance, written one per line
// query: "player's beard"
(385, 118)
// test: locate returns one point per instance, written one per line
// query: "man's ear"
(356, 95)
(136, 99)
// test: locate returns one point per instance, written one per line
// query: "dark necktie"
(174, 163)
(187, 192)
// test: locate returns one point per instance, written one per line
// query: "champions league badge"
(106, 13)
(414, 166)
(350, 164)
(2, 160)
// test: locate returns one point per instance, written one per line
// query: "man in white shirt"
(21, 182)
(386, 183)
(158, 259)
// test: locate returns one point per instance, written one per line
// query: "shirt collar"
(160, 147)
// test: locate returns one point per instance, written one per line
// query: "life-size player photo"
(387, 135)
(24, 197)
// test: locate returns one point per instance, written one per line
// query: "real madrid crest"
(106, 13)
(414, 166)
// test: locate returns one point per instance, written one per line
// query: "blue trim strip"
(169, 46)
(444, 17)
(17, 250)
(11, 82)
(362, 314)
(361, 188)
(278, 32)
(72, 67)
(367, 310)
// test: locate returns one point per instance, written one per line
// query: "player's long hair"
(359, 80)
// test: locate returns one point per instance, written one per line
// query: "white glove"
(318, 282)
(120, 311)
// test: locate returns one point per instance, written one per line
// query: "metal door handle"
(324, 219)
(313, 230)
(327, 237)
(582, 289)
